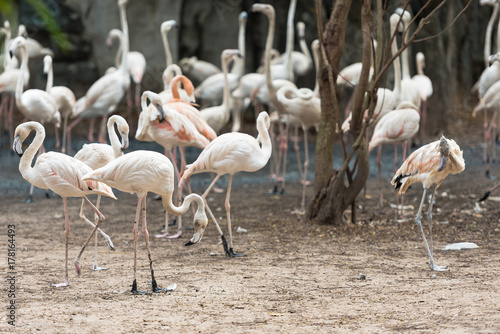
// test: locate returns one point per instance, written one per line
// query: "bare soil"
(371, 276)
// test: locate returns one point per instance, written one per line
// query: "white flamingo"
(65, 99)
(228, 154)
(97, 155)
(425, 86)
(58, 172)
(141, 172)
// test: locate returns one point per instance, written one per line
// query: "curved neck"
(166, 46)
(27, 158)
(267, 59)
(113, 138)
(265, 139)
(305, 49)
(175, 87)
(20, 78)
(489, 32)
(166, 200)
(119, 52)
(397, 65)
(124, 44)
(170, 72)
(50, 79)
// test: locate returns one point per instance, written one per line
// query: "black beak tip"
(189, 243)
(11, 53)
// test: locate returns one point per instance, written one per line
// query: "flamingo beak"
(124, 142)
(196, 237)
(17, 146)
(161, 111)
(442, 165)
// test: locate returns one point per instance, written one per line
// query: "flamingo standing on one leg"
(430, 165)
(228, 154)
(97, 155)
(64, 97)
(141, 172)
(58, 172)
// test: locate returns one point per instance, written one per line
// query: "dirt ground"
(295, 277)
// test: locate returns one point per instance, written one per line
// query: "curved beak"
(17, 146)
(11, 53)
(442, 165)
(159, 107)
(124, 142)
(196, 237)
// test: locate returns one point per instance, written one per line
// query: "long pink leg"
(66, 235)
(10, 119)
(138, 96)
(102, 130)
(130, 104)
(135, 232)
(64, 137)
(379, 165)
(58, 144)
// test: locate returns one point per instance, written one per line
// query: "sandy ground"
(366, 277)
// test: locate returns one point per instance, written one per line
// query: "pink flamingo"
(141, 172)
(228, 154)
(97, 155)
(58, 172)
(429, 165)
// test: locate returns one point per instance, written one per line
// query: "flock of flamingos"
(172, 120)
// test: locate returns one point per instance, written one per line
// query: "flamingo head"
(266, 9)
(112, 34)
(200, 219)
(122, 2)
(168, 25)
(301, 29)
(123, 129)
(22, 132)
(47, 64)
(17, 43)
(243, 17)
(493, 58)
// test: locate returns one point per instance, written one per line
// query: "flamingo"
(65, 99)
(396, 126)
(228, 154)
(429, 165)
(8, 80)
(34, 48)
(198, 70)
(186, 94)
(217, 117)
(97, 155)
(34, 104)
(425, 85)
(238, 105)
(306, 108)
(105, 94)
(489, 29)
(169, 128)
(136, 67)
(58, 172)
(141, 172)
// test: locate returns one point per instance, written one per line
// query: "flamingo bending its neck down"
(228, 154)
(58, 172)
(430, 165)
(141, 172)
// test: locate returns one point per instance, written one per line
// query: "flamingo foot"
(438, 268)
(233, 254)
(58, 285)
(95, 267)
(488, 175)
(137, 292)
(156, 288)
(109, 243)
(274, 191)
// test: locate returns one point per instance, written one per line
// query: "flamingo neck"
(27, 158)
(271, 90)
(125, 41)
(226, 97)
(489, 32)
(420, 68)
(166, 46)
(50, 79)
(404, 55)
(20, 78)
(305, 49)
(241, 47)
(119, 52)
(178, 211)
(290, 38)
(113, 138)
(397, 65)
(316, 62)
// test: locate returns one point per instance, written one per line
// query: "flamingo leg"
(228, 213)
(65, 126)
(204, 196)
(145, 233)
(302, 210)
(102, 130)
(379, 165)
(10, 120)
(419, 223)
(100, 218)
(108, 239)
(58, 143)
(66, 236)
(297, 151)
(135, 232)
(424, 118)
(285, 148)
(138, 96)
(130, 104)
(489, 130)
(91, 129)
